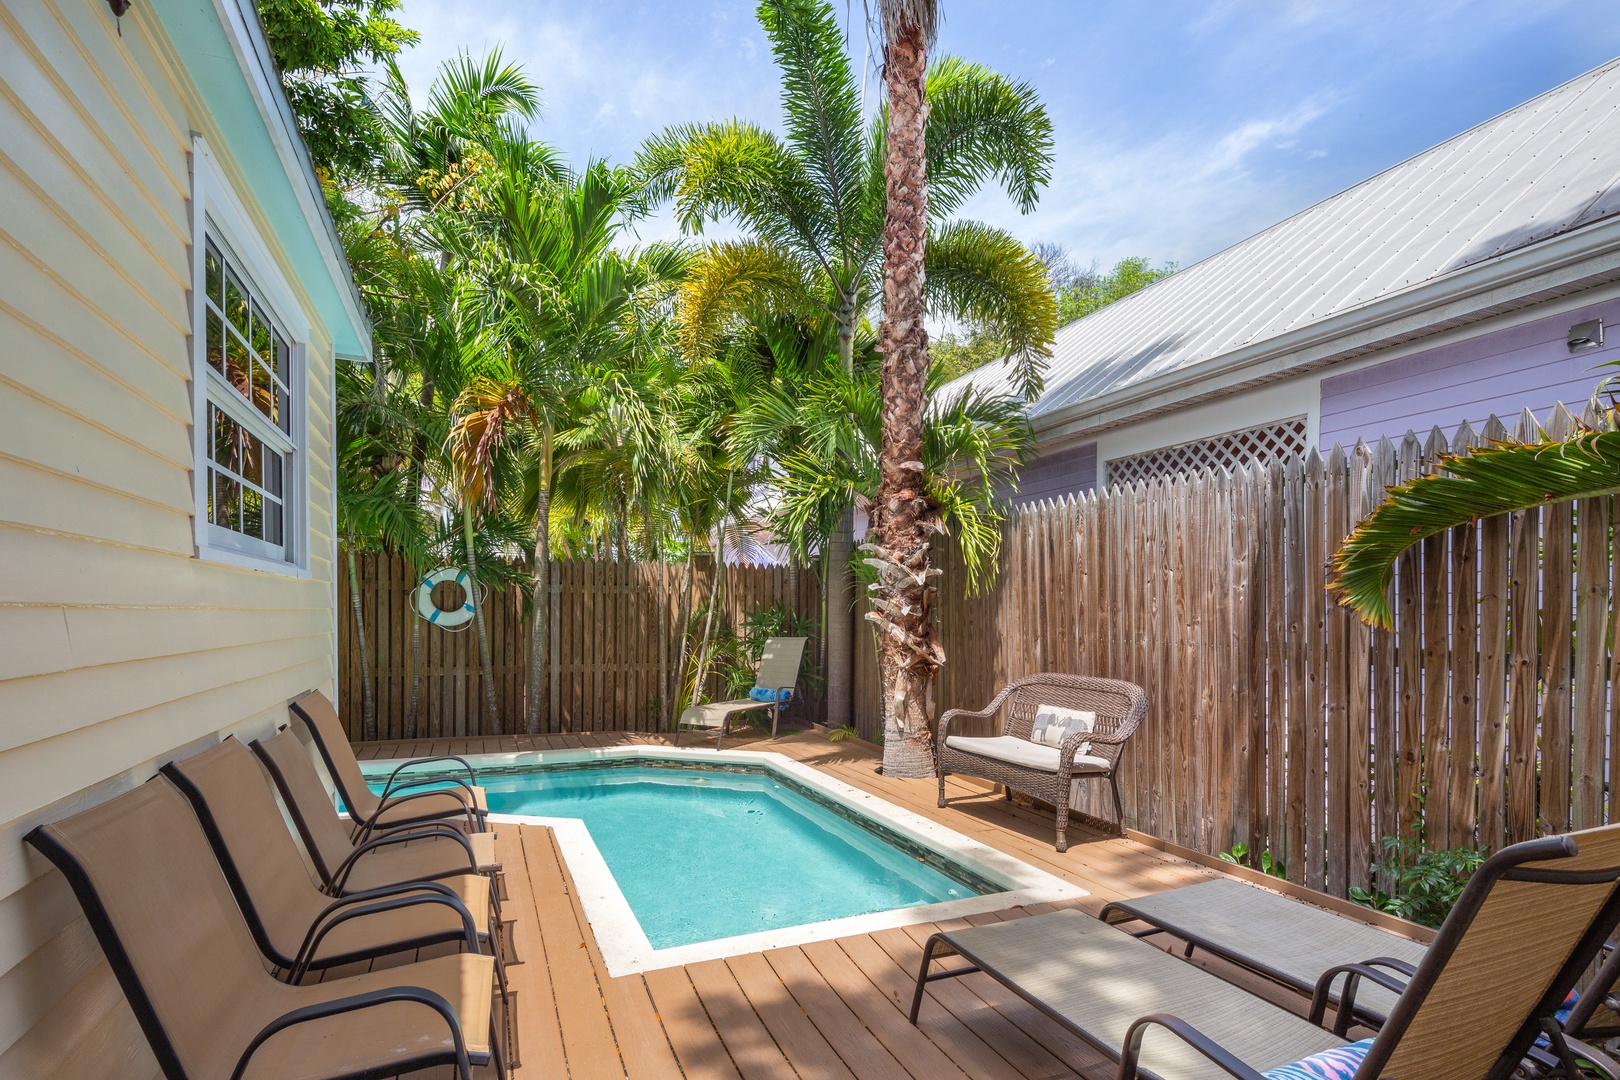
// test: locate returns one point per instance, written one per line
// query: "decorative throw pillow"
(760, 693)
(1053, 725)
(1340, 1063)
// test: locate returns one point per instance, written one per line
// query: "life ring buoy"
(427, 609)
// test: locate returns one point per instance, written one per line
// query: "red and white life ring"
(455, 617)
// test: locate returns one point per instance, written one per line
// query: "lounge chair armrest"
(1188, 1034)
(352, 907)
(472, 775)
(454, 785)
(1353, 974)
(1588, 1053)
(416, 994)
(474, 814)
(341, 875)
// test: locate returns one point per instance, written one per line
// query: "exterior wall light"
(1586, 335)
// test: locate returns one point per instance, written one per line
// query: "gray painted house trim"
(1067, 471)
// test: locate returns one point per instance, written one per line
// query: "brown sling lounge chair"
(345, 865)
(163, 913)
(461, 804)
(1530, 921)
(297, 926)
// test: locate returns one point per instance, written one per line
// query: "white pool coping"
(624, 945)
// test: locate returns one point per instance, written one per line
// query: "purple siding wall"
(1061, 472)
(1502, 372)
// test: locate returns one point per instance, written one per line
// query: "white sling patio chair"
(778, 672)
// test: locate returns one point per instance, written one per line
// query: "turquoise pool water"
(704, 853)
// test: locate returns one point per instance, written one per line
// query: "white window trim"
(214, 206)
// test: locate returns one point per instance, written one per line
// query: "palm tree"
(904, 515)
(572, 298)
(812, 203)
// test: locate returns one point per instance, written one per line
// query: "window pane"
(272, 473)
(283, 360)
(237, 370)
(227, 502)
(283, 415)
(252, 513)
(261, 338)
(214, 275)
(236, 302)
(216, 341)
(272, 521)
(225, 442)
(252, 458)
(262, 398)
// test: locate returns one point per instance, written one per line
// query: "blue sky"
(1181, 127)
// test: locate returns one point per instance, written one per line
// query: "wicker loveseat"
(1016, 760)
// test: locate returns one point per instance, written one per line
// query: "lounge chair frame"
(1120, 708)
(1141, 909)
(1504, 865)
(337, 876)
(397, 790)
(780, 664)
(339, 911)
(461, 1059)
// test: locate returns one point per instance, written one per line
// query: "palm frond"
(982, 126)
(986, 277)
(1489, 481)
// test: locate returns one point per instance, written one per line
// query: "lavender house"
(1472, 279)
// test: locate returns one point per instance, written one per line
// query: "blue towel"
(760, 693)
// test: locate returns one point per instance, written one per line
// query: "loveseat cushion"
(1016, 751)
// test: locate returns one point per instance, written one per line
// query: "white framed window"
(249, 388)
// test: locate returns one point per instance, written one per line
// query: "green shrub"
(1267, 864)
(1423, 885)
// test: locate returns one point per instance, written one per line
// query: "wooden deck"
(831, 1010)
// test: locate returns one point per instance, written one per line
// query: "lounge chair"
(297, 926)
(1285, 940)
(775, 682)
(1060, 729)
(346, 865)
(461, 803)
(1529, 923)
(163, 913)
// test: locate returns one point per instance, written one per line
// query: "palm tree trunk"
(683, 617)
(368, 707)
(904, 514)
(490, 707)
(715, 594)
(416, 676)
(663, 628)
(540, 609)
(838, 639)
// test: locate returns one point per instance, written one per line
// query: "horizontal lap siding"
(1499, 373)
(118, 649)
(1069, 471)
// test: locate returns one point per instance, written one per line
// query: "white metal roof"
(1545, 168)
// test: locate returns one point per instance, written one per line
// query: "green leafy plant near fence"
(1422, 885)
(734, 651)
(1266, 864)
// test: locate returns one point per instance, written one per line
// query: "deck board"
(829, 1009)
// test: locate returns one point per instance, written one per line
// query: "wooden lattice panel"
(1268, 442)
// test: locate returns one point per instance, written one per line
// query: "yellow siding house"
(172, 301)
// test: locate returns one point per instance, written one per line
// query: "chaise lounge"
(1540, 910)
(163, 913)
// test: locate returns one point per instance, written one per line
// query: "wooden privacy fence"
(1280, 720)
(604, 655)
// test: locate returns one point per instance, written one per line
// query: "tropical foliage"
(543, 386)
(1488, 481)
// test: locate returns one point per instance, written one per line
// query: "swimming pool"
(679, 855)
